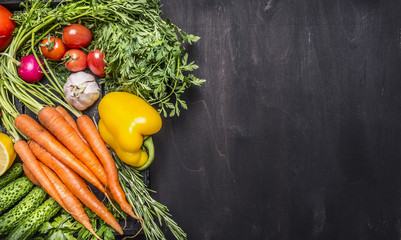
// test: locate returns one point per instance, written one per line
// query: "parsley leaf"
(64, 226)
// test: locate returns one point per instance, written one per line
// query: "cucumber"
(12, 173)
(31, 224)
(13, 217)
(13, 192)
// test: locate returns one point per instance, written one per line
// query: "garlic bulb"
(81, 90)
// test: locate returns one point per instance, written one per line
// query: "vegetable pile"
(144, 54)
(141, 60)
(33, 210)
(23, 220)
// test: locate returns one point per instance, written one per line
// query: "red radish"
(29, 69)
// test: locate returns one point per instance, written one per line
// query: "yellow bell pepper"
(125, 120)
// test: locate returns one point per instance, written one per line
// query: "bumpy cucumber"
(12, 173)
(31, 224)
(18, 213)
(13, 192)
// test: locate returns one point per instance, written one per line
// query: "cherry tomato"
(75, 60)
(53, 48)
(76, 36)
(96, 63)
(7, 27)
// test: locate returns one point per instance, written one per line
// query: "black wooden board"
(296, 134)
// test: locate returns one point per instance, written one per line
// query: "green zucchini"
(31, 224)
(12, 173)
(13, 192)
(27, 205)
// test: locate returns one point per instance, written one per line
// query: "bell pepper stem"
(148, 144)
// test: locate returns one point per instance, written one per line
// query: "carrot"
(90, 132)
(75, 184)
(30, 176)
(26, 155)
(36, 132)
(71, 121)
(73, 205)
(55, 123)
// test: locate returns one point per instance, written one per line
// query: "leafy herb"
(145, 207)
(66, 227)
(145, 54)
(62, 227)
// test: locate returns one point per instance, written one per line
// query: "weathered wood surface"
(297, 132)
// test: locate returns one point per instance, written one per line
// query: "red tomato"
(7, 27)
(75, 60)
(96, 63)
(53, 48)
(76, 36)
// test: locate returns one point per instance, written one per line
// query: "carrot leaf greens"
(145, 55)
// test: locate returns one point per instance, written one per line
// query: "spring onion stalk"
(8, 115)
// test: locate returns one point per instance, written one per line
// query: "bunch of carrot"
(61, 154)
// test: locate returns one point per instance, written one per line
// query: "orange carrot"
(36, 132)
(90, 132)
(71, 121)
(55, 123)
(30, 176)
(26, 155)
(75, 184)
(73, 205)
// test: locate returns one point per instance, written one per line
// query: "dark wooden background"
(297, 132)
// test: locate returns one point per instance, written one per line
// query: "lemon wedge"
(7, 153)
